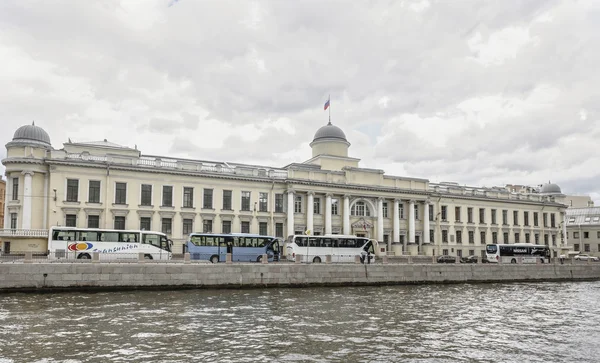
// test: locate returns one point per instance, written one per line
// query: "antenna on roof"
(70, 140)
(136, 146)
(33, 123)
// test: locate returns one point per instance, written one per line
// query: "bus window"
(164, 243)
(128, 237)
(196, 240)
(261, 242)
(151, 239)
(301, 241)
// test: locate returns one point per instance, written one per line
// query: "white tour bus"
(80, 243)
(342, 248)
(512, 253)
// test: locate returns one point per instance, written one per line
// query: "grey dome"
(32, 134)
(330, 131)
(550, 188)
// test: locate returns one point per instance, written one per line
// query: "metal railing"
(7, 232)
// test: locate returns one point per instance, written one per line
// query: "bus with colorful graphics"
(81, 243)
(517, 253)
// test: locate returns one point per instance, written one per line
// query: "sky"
(482, 93)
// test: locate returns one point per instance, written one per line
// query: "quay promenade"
(44, 275)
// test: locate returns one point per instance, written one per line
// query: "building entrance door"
(6, 247)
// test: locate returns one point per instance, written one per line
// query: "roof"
(550, 188)
(583, 216)
(330, 131)
(104, 143)
(32, 134)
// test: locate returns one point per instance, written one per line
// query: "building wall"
(2, 203)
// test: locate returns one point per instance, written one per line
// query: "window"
(278, 229)
(360, 209)
(586, 234)
(167, 225)
(226, 227)
(245, 201)
(546, 240)
(121, 193)
(93, 222)
(431, 235)
(444, 236)
(537, 238)
(401, 210)
(505, 237)
(526, 237)
(146, 195)
(505, 217)
(207, 202)
(576, 247)
(188, 225)
(188, 197)
(72, 190)
(167, 199)
(526, 218)
(481, 215)
(71, 220)
(15, 187)
(516, 217)
(494, 220)
(575, 234)
(431, 213)
(586, 247)
(545, 219)
(298, 204)
(469, 215)
(227, 200)
(416, 211)
(385, 209)
(278, 203)
(553, 240)
(245, 227)
(334, 207)
(145, 223)
(13, 221)
(457, 214)
(482, 237)
(262, 228)
(535, 219)
(445, 252)
(94, 191)
(587, 219)
(471, 236)
(263, 202)
(458, 236)
(444, 213)
(119, 222)
(494, 237)
(207, 225)
(516, 237)
(598, 234)
(552, 220)
(317, 206)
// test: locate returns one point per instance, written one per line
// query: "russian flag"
(326, 105)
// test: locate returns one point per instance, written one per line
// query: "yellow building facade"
(104, 185)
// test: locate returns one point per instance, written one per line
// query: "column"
(46, 196)
(411, 221)
(346, 214)
(26, 221)
(380, 219)
(426, 207)
(310, 205)
(396, 225)
(7, 198)
(290, 213)
(328, 213)
(564, 231)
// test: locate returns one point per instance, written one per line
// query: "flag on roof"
(326, 105)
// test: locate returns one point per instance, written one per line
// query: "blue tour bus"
(242, 246)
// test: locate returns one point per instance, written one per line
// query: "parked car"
(581, 257)
(446, 259)
(469, 259)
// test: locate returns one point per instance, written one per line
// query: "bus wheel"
(513, 261)
(214, 259)
(84, 256)
(147, 257)
(317, 260)
(259, 259)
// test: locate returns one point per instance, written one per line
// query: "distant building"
(583, 230)
(104, 185)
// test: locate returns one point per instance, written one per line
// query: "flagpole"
(329, 99)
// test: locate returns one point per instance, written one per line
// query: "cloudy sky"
(477, 92)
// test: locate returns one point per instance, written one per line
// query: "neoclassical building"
(104, 185)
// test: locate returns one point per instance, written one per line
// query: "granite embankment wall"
(60, 276)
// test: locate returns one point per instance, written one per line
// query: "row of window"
(516, 214)
(167, 225)
(594, 219)
(586, 247)
(585, 234)
(458, 237)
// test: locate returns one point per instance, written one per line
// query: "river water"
(519, 322)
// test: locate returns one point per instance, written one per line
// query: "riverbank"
(40, 277)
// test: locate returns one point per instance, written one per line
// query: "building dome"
(32, 134)
(550, 188)
(330, 131)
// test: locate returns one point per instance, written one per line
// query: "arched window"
(360, 209)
